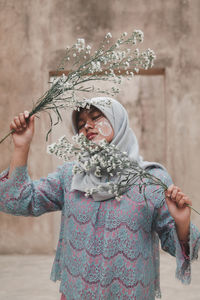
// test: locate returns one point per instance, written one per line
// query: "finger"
(169, 190)
(174, 192)
(187, 200)
(179, 196)
(181, 203)
(17, 123)
(169, 198)
(13, 126)
(26, 114)
(31, 122)
(22, 120)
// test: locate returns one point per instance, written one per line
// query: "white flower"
(127, 64)
(118, 198)
(88, 47)
(138, 35)
(136, 70)
(108, 35)
(62, 138)
(80, 45)
(50, 150)
(62, 79)
(68, 85)
(96, 67)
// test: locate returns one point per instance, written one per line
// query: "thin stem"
(7, 135)
(193, 208)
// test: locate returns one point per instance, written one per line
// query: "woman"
(107, 249)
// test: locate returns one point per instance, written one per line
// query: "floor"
(27, 278)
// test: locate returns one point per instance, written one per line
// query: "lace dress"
(106, 250)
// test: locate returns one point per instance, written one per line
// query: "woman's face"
(94, 125)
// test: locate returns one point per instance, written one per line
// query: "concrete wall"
(33, 36)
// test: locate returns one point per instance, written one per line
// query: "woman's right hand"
(23, 130)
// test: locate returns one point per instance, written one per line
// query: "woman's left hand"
(176, 202)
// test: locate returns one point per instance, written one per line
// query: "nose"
(89, 124)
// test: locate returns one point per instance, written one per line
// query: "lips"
(91, 135)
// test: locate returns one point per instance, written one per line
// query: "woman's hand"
(177, 204)
(24, 130)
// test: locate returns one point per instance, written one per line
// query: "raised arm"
(22, 137)
(19, 195)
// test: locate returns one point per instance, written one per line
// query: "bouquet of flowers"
(108, 161)
(89, 66)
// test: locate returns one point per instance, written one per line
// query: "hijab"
(124, 138)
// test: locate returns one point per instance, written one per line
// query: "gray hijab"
(124, 138)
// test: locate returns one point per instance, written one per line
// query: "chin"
(98, 139)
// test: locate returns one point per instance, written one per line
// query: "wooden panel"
(153, 71)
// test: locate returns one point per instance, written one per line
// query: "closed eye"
(93, 118)
(81, 126)
(97, 117)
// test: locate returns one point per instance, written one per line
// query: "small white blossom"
(88, 49)
(136, 70)
(80, 45)
(95, 67)
(108, 35)
(62, 139)
(118, 199)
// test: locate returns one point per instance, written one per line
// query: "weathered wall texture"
(164, 110)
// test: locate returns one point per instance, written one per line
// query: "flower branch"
(88, 66)
(106, 161)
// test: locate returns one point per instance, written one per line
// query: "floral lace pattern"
(107, 249)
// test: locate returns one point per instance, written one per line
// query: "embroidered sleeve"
(19, 195)
(4, 175)
(185, 248)
(165, 227)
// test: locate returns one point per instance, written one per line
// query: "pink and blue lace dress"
(106, 250)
